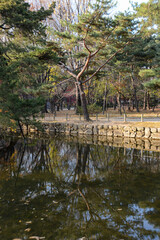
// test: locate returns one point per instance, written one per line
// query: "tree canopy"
(103, 55)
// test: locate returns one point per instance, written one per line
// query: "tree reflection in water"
(61, 190)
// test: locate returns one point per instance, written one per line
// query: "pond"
(57, 189)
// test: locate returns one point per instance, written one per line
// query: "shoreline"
(126, 130)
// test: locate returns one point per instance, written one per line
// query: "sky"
(123, 5)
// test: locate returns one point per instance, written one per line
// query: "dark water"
(55, 189)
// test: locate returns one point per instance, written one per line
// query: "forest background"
(79, 47)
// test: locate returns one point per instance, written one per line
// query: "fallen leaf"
(29, 222)
(36, 237)
(27, 230)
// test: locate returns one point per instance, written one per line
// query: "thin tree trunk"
(133, 104)
(145, 100)
(148, 101)
(129, 104)
(134, 90)
(123, 105)
(136, 100)
(119, 103)
(105, 98)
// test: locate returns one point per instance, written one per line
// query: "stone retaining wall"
(103, 130)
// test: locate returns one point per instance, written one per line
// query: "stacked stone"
(103, 130)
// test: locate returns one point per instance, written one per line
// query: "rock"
(139, 134)
(140, 128)
(155, 135)
(153, 130)
(134, 129)
(110, 133)
(133, 134)
(147, 132)
(100, 126)
(118, 133)
(147, 144)
(102, 132)
(126, 134)
(89, 132)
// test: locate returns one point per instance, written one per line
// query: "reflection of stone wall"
(104, 130)
(114, 135)
(136, 143)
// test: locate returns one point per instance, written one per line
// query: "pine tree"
(93, 43)
(24, 61)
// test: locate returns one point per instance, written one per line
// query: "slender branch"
(84, 42)
(68, 70)
(106, 38)
(109, 59)
(64, 81)
(92, 54)
(118, 90)
(85, 200)
(85, 66)
(78, 67)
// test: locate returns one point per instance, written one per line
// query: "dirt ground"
(71, 117)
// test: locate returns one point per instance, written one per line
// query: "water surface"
(55, 189)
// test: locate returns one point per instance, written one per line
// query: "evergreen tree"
(24, 59)
(93, 42)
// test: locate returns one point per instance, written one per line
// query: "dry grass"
(146, 124)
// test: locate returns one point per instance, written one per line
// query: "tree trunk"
(84, 102)
(135, 99)
(52, 105)
(134, 90)
(88, 95)
(133, 104)
(105, 98)
(114, 102)
(148, 101)
(119, 103)
(78, 99)
(145, 100)
(129, 105)
(123, 105)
